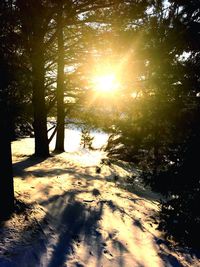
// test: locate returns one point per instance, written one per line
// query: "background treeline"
(160, 126)
(48, 50)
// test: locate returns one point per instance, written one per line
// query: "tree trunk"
(60, 88)
(39, 108)
(156, 147)
(6, 179)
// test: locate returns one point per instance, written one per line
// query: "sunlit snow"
(79, 217)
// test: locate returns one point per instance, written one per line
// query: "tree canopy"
(130, 68)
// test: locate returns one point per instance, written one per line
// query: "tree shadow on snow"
(19, 167)
(77, 222)
(50, 170)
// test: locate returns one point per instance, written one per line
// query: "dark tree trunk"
(60, 88)
(39, 107)
(6, 177)
(156, 145)
(34, 26)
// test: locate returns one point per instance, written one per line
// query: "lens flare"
(105, 83)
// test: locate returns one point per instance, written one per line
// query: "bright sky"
(105, 83)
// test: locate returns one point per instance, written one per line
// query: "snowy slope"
(76, 217)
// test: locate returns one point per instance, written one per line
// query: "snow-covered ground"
(75, 217)
(73, 138)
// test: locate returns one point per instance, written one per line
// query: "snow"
(76, 217)
(73, 138)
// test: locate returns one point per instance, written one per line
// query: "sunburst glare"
(105, 83)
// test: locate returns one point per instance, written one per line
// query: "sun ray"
(105, 83)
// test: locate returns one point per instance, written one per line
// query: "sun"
(105, 83)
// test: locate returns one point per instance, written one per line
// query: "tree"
(180, 215)
(6, 76)
(159, 129)
(86, 138)
(6, 181)
(60, 81)
(34, 28)
(72, 30)
(39, 33)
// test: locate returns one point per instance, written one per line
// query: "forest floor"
(69, 215)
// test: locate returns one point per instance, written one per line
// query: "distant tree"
(86, 138)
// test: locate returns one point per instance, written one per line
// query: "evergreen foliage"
(159, 129)
(86, 138)
(153, 121)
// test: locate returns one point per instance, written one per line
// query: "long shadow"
(44, 172)
(19, 167)
(73, 219)
(21, 246)
(65, 198)
(122, 249)
(169, 259)
(136, 189)
(77, 220)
